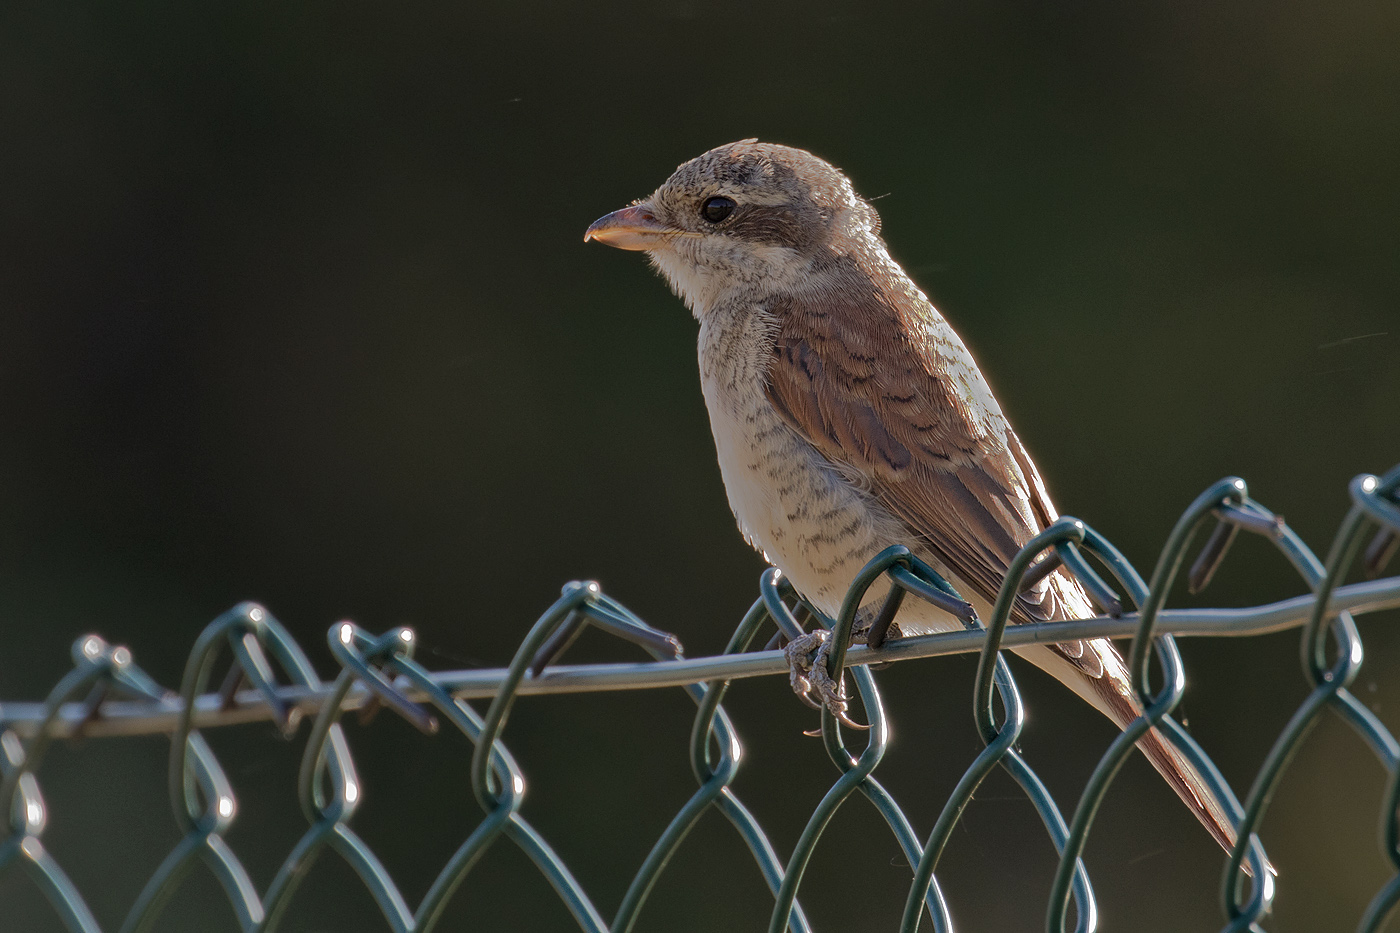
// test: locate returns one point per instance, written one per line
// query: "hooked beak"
(634, 227)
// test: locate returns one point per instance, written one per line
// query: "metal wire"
(107, 694)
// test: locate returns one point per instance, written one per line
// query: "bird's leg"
(874, 627)
(802, 667)
(807, 659)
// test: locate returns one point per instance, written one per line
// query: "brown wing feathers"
(966, 487)
(909, 426)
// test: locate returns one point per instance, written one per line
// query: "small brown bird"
(848, 416)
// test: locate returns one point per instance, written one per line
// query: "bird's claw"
(807, 658)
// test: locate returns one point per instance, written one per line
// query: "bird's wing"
(875, 380)
(879, 384)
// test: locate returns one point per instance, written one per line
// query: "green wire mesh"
(106, 694)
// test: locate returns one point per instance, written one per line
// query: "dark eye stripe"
(717, 208)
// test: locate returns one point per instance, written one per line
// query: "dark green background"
(295, 309)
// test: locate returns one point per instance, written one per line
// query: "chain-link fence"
(269, 677)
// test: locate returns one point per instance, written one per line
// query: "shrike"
(848, 416)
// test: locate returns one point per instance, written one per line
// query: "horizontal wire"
(129, 717)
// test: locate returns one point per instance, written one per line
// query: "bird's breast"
(809, 519)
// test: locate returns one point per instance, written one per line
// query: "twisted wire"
(271, 678)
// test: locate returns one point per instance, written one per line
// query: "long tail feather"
(1096, 671)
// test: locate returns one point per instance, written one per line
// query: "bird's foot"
(807, 659)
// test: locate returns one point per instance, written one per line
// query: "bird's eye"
(716, 209)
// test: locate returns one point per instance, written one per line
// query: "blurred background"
(295, 308)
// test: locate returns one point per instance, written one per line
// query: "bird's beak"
(634, 227)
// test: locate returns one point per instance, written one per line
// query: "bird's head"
(747, 216)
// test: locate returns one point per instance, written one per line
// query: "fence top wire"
(107, 694)
(158, 716)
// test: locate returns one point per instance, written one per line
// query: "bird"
(849, 416)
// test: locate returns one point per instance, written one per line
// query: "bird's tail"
(1096, 671)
